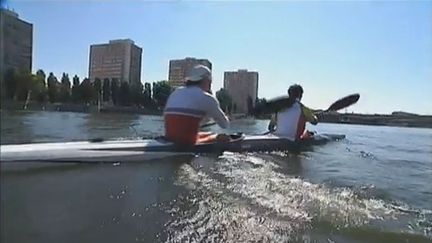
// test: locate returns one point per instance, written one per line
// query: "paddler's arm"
(309, 115)
(214, 111)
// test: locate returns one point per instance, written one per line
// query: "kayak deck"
(146, 149)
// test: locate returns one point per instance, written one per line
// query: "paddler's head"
(295, 91)
(200, 76)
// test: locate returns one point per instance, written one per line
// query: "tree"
(22, 85)
(24, 81)
(10, 83)
(259, 108)
(87, 91)
(76, 91)
(161, 92)
(136, 93)
(250, 105)
(147, 95)
(97, 85)
(41, 76)
(53, 85)
(32, 87)
(115, 91)
(225, 100)
(124, 93)
(75, 80)
(65, 88)
(39, 88)
(106, 90)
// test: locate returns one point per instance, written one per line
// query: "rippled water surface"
(374, 186)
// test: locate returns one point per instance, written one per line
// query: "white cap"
(197, 73)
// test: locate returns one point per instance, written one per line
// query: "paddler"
(187, 106)
(290, 122)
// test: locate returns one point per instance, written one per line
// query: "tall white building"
(242, 86)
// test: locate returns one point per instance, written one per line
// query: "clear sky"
(382, 50)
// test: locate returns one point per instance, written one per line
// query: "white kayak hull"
(142, 149)
(83, 151)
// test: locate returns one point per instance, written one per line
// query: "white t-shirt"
(287, 122)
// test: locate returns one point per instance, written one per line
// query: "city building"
(118, 59)
(178, 69)
(242, 86)
(16, 43)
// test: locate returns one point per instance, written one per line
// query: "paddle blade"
(344, 102)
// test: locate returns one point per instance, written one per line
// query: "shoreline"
(79, 108)
(393, 120)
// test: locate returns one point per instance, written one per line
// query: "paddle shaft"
(335, 106)
(208, 124)
(214, 123)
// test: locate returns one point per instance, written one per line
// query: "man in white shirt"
(189, 105)
(290, 123)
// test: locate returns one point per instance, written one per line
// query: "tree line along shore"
(26, 91)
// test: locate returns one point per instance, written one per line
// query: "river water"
(374, 186)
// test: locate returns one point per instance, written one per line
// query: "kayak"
(147, 149)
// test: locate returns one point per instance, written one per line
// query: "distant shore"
(395, 120)
(83, 108)
(399, 119)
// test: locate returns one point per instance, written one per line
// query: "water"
(374, 186)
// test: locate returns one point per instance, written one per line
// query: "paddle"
(337, 105)
(214, 123)
(343, 102)
(281, 102)
(208, 124)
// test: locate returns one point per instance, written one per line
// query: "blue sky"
(382, 50)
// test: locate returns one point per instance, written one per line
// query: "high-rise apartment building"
(178, 69)
(16, 43)
(242, 86)
(118, 59)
